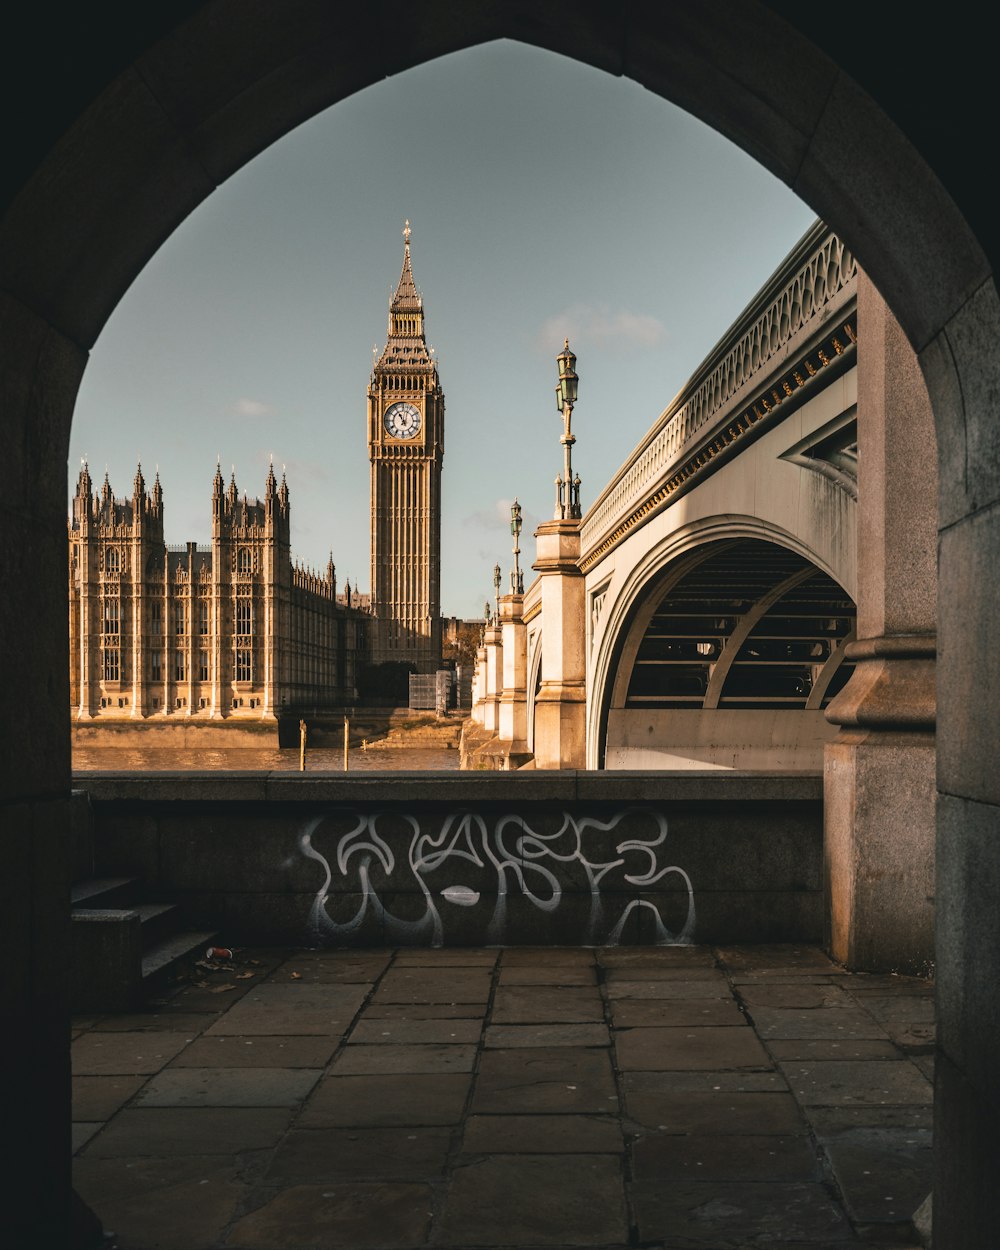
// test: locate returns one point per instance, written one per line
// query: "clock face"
(402, 421)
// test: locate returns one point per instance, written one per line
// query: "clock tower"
(406, 447)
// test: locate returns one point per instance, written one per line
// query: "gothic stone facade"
(229, 631)
(406, 448)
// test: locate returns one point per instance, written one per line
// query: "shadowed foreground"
(675, 1097)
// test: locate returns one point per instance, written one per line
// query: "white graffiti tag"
(504, 859)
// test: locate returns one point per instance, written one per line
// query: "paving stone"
(562, 1080)
(542, 1134)
(795, 994)
(308, 1156)
(666, 989)
(168, 1131)
(99, 1097)
(766, 960)
(716, 1111)
(683, 1082)
(228, 1087)
(694, 1215)
(361, 1060)
(169, 1204)
(884, 1174)
(833, 1082)
(828, 1049)
(916, 1037)
(640, 1012)
(382, 1032)
(294, 1009)
(327, 972)
(547, 957)
(122, 1054)
(423, 1011)
(447, 958)
(220, 1051)
(909, 1007)
(667, 957)
(665, 972)
(828, 1121)
(351, 1215)
(725, 1158)
(376, 1101)
(163, 1020)
(926, 1065)
(81, 1133)
(556, 974)
(534, 1200)
(683, 1049)
(425, 985)
(837, 1022)
(889, 983)
(499, 1037)
(532, 1005)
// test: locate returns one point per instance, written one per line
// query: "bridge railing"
(817, 279)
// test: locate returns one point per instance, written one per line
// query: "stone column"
(561, 707)
(479, 685)
(513, 726)
(879, 772)
(494, 679)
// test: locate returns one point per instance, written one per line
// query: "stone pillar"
(560, 706)
(494, 679)
(479, 685)
(879, 772)
(513, 713)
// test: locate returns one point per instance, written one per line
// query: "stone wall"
(452, 859)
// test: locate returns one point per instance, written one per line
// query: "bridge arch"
(626, 607)
(185, 113)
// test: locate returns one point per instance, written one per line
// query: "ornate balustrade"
(798, 325)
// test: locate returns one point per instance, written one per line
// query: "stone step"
(170, 955)
(103, 892)
(159, 921)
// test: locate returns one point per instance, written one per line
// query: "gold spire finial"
(407, 232)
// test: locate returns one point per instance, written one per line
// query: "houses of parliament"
(234, 629)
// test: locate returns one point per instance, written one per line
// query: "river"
(319, 759)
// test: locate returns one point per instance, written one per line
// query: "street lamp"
(567, 488)
(496, 590)
(516, 576)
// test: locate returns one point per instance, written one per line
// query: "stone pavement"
(679, 1097)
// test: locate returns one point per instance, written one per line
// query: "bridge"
(755, 590)
(710, 589)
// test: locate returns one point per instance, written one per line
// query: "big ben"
(406, 448)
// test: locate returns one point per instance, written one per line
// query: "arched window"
(114, 560)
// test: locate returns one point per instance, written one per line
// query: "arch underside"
(727, 661)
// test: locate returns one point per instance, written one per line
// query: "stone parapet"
(472, 858)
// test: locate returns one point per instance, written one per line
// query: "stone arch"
(190, 109)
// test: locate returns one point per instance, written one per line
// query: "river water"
(319, 759)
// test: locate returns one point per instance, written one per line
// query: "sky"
(547, 199)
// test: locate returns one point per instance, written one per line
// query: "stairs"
(124, 948)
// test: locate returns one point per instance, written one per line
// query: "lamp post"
(496, 590)
(568, 489)
(516, 576)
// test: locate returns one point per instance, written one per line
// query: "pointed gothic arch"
(121, 153)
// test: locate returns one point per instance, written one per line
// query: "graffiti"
(473, 861)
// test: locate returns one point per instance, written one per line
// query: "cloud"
(495, 520)
(601, 326)
(245, 407)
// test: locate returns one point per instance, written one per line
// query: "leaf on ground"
(200, 985)
(221, 989)
(296, 976)
(242, 976)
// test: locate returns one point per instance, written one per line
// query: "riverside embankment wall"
(578, 858)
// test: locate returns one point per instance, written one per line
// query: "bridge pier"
(879, 772)
(561, 703)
